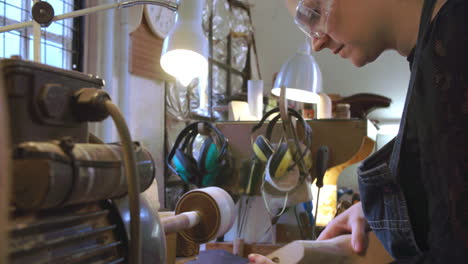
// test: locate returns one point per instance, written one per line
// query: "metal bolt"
(52, 100)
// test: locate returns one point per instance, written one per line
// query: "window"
(57, 46)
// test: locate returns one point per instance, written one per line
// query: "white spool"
(226, 208)
(216, 209)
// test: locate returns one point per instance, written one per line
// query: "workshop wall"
(278, 38)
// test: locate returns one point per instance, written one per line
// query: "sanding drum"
(202, 215)
(44, 176)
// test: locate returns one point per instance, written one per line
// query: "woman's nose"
(319, 44)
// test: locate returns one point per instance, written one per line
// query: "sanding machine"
(75, 199)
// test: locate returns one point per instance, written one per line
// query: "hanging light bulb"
(185, 50)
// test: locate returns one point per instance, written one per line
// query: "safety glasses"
(311, 17)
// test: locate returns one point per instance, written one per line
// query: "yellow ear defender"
(279, 160)
(262, 148)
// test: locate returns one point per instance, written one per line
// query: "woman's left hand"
(259, 259)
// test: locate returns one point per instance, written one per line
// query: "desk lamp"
(301, 77)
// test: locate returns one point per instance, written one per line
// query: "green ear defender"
(204, 170)
(208, 162)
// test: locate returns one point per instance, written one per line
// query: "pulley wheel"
(43, 13)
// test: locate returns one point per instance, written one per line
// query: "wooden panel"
(263, 249)
(145, 53)
(342, 136)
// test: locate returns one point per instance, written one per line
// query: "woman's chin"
(360, 60)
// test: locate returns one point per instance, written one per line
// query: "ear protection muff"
(185, 166)
(280, 161)
(204, 170)
(307, 133)
(208, 162)
(262, 148)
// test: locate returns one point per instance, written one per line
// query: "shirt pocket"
(385, 209)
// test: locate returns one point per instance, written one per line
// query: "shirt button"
(387, 189)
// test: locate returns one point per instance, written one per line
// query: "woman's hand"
(350, 221)
(259, 259)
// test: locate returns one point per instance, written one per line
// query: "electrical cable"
(266, 203)
(322, 164)
(314, 235)
(91, 104)
(239, 213)
(132, 180)
(244, 217)
(299, 224)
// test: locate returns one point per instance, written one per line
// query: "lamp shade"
(301, 77)
(185, 49)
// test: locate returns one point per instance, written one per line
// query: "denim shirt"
(418, 205)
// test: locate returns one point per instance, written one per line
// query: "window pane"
(58, 6)
(56, 28)
(31, 50)
(13, 11)
(16, 3)
(11, 44)
(2, 46)
(54, 55)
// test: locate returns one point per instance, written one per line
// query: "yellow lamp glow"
(185, 65)
(185, 49)
(298, 95)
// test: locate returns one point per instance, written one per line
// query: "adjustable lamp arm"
(165, 3)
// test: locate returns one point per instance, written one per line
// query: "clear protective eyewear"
(312, 16)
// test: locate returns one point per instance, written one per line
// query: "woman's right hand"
(350, 221)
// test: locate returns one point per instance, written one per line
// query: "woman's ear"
(291, 5)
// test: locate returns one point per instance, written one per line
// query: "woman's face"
(354, 31)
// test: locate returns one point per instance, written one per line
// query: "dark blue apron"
(382, 197)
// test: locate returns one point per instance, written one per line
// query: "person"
(414, 191)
